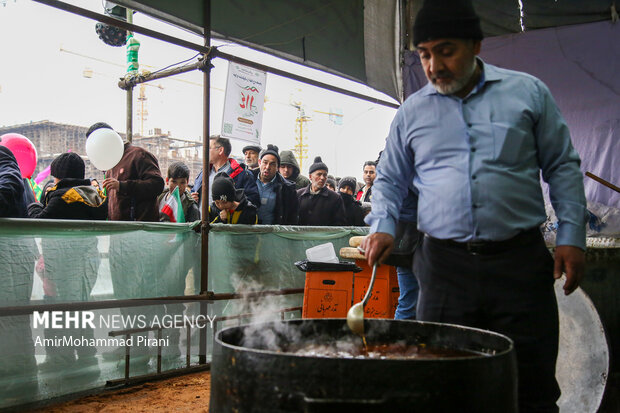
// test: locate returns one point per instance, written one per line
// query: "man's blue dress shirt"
(476, 162)
(267, 205)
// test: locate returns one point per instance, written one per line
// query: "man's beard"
(458, 83)
(318, 186)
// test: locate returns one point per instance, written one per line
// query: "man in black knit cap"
(474, 142)
(318, 206)
(278, 196)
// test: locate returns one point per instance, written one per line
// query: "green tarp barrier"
(61, 261)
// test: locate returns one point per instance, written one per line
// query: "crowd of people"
(269, 189)
(462, 164)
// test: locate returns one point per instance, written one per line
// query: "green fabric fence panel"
(263, 257)
(74, 261)
(61, 261)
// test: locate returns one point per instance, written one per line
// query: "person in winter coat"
(132, 187)
(12, 204)
(17, 261)
(219, 152)
(178, 176)
(133, 184)
(318, 206)
(279, 204)
(370, 173)
(354, 215)
(331, 184)
(289, 169)
(230, 205)
(71, 197)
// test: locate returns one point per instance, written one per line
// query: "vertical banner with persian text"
(243, 104)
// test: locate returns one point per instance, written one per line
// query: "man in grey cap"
(289, 169)
(251, 156)
(481, 136)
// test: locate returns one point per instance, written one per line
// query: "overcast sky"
(39, 81)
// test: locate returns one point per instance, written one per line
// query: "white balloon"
(104, 148)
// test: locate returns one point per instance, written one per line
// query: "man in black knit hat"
(481, 136)
(318, 206)
(278, 196)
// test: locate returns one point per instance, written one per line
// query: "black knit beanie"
(349, 181)
(67, 165)
(439, 19)
(318, 164)
(223, 188)
(271, 150)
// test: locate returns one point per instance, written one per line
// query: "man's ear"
(477, 44)
(167, 179)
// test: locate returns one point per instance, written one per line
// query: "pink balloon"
(24, 151)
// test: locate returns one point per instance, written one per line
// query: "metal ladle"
(355, 315)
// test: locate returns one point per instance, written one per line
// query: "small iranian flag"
(173, 208)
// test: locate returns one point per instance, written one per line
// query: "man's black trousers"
(509, 292)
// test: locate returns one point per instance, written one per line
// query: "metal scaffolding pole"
(129, 94)
(206, 50)
(204, 225)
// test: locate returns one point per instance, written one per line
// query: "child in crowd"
(178, 176)
(230, 205)
(70, 196)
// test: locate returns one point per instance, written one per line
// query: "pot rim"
(218, 339)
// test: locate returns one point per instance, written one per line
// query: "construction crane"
(142, 98)
(300, 148)
(142, 112)
(302, 128)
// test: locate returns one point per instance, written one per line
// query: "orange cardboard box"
(384, 299)
(327, 294)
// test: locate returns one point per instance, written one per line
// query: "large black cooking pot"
(258, 376)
